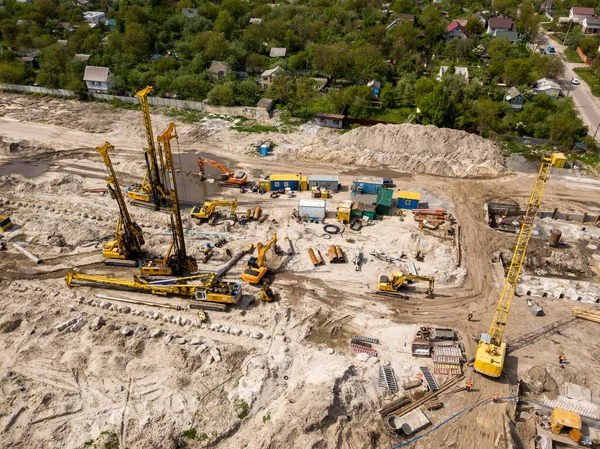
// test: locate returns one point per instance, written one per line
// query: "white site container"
(310, 208)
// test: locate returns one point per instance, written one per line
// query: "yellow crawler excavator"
(206, 212)
(256, 269)
(176, 261)
(128, 236)
(392, 286)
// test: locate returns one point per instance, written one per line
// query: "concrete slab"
(410, 423)
(578, 392)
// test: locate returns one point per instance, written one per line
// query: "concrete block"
(138, 330)
(127, 331)
(97, 323)
(257, 335)
(64, 325)
(104, 305)
(156, 333)
(195, 341)
(180, 341)
(216, 354)
(78, 324)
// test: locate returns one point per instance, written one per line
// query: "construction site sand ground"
(264, 375)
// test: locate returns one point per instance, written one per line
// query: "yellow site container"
(344, 211)
(265, 185)
(304, 182)
(5, 222)
(558, 160)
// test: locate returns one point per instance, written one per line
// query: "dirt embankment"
(410, 148)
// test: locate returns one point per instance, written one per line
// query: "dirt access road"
(147, 392)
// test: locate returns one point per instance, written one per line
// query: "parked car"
(574, 81)
(543, 51)
(551, 49)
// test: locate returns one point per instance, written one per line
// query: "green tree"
(474, 27)
(12, 72)
(358, 98)
(225, 23)
(436, 109)
(53, 65)
(367, 63)
(551, 66)
(589, 46)
(528, 22)
(486, 111)
(387, 96)
(222, 95)
(136, 42)
(247, 93)
(217, 47)
(517, 72)
(425, 86)
(566, 128)
(9, 31)
(333, 59)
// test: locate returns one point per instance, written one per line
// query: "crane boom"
(490, 350)
(152, 188)
(176, 260)
(256, 270)
(128, 237)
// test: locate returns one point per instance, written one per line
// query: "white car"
(574, 81)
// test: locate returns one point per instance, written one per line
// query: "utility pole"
(594, 136)
(568, 29)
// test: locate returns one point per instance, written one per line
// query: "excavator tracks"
(207, 305)
(391, 294)
(121, 263)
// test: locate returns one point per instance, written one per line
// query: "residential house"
(62, 42)
(496, 24)
(456, 31)
(67, 26)
(401, 18)
(578, 13)
(375, 87)
(548, 87)
(463, 71)
(219, 69)
(24, 1)
(330, 120)
(278, 52)
(511, 36)
(267, 77)
(255, 21)
(590, 25)
(98, 79)
(93, 18)
(189, 12)
(266, 104)
(481, 17)
(79, 57)
(32, 60)
(81, 2)
(515, 98)
(112, 24)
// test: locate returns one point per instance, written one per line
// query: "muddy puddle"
(29, 169)
(189, 187)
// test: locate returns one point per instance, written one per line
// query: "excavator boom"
(397, 281)
(207, 210)
(489, 359)
(229, 178)
(256, 270)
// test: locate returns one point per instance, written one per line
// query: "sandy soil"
(146, 375)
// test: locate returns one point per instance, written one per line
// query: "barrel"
(555, 237)
(312, 256)
(332, 254)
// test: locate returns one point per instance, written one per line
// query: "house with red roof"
(496, 24)
(456, 30)
(578, 13)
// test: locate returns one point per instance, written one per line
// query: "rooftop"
(271, 72)
(278, 52)
(582, 10)
(96, 74)
(511, 93)
(501, 22)
(456, 24)
(218, 66)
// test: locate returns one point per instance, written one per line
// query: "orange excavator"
(228, 178)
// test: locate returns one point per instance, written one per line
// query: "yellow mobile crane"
(392, 285)
(207, 211)
(491, 350)
(128, 236)
(176, 261)
(208, 291)
(256, 270)
(152, 189)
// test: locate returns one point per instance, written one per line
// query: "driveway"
(586, 104)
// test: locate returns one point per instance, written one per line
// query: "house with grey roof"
(278, 52)
(267, 77)
(98, 79)
(515, 98)
(548, 87)
(219, 69)
(463, 71)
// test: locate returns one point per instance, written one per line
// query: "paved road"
(586, 104)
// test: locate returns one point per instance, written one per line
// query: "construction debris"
(586, 314)
(387, 378)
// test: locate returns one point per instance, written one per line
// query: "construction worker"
(495, 397)
(470, 316)
(469, 386)
(562, 359)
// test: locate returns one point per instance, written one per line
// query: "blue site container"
(366, 185)
(264, 150)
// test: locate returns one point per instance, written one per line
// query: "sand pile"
(410, 148)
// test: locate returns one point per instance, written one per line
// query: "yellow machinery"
(207, 211)
(176, 260)
(256, 270)
(128, 236)
(489, 359)
(5, 223)
(207, 291)
(152, 189)
(228, 178)
(392, 285)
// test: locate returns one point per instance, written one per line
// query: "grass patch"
(509, 147)
(572, 55)
(241, 408)
(592, 159)
(592, 80)
(267, 418)
(249, 126)
(387, 115)
(186, 115)
(190, 434)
